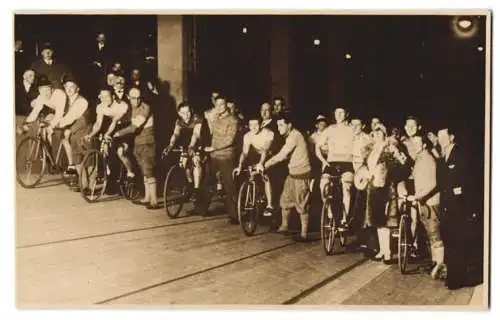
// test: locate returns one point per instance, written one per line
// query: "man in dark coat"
(452, 178)
(26, 91)
(47, 66)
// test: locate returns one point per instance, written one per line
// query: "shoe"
(436, 271)
(299, 238)
(155, 206)
(378, 257)
(233, 221)
(268, 212)
(140, 203)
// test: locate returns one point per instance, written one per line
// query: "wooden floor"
(73, 254)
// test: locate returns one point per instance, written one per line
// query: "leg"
(196, 171)
(153, 199)
(429, 218)
(68, 149)
(122, 155)
(203, 196)
(302, 194)
(269, 194)
(286, 203)
(226, 167)
(219, 181)
(347, 180)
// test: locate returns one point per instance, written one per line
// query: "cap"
(45, 46)
(44, 81)
(69, 78)
(320, 118)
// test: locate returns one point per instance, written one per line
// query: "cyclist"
(211, 115)
(340, 140)
(187, 133)
(260, 140)
(49, 106)
(75, 124)
(112, 115)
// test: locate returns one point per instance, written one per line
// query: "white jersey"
(340, 141)
(260, 141)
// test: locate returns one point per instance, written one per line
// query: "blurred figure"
(21, 60)
(26, 91)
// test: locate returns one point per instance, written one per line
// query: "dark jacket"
(23, 98)
(54, 72)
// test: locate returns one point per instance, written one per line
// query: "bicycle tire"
(93, 165)
(62, 166)
(327, 229)
(28, 142)
(128, 189)
(404, 243)
(173, 195)
(248, 209)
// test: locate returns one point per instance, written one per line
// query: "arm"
(97, 125)
(283, 154)
(137, 122)
(59, 103)
(37, 106)
(244, 152)
(175, 135)
(322, 139)
(196, 136)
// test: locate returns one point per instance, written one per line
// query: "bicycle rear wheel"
(31, 162)
(248, 208)
(93, 177)
(175, 191)
(62, 166)
(404, 243)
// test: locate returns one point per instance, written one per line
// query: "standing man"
(278, 106)
(223, 155)
(266, 114)
(296, 190)
(452, 180)
(144, 146)
(50, 68)
(99, 60)
(26, 91)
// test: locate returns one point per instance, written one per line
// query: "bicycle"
(38, 154)
(405, 237)
(177, 190)
(330, 229)
(96, 171)
(251, 201)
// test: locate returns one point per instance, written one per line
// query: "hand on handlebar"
(166, 151)
(237, 171)
(209, 149)
(259, 168)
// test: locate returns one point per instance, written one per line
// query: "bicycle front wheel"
(93, 177)
(62, 166)
(404, 243)
(31, 162)
(327, 229)
(175, 191)
(248, 208)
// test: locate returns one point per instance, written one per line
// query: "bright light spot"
(348, 56)
(245, 30)
(464, 24)
(316, 42)
(480, 48)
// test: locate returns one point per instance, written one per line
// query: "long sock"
(152, 192)
(146, 192)
(197, 176)
(304, 224)
(284, 223)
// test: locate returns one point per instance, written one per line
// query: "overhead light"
(244, 30)
(316, 42)
(464, 23)
(480, 48)
(348, 56)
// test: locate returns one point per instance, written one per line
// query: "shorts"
(145, 155)
(338, 168)
(296, 194)
(77, 142)
(429, 215)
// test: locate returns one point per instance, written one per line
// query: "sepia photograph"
(320, 159)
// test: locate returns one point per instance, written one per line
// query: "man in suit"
(21, 60)
(452, 184)
(26, 91)
(50, 68)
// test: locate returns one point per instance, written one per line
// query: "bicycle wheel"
(248, 208)
(31, 162)
(128, 189)
(93, 177)
(404, 243)
(175, 191)
(327, 229)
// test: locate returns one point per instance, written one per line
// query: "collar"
(49, 62)
(27, 84)
(447, 151)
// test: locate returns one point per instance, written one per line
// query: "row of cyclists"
(381, 165)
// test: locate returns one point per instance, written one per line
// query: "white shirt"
(340, 141)
(266, 122)
(260, 141)
(447, 151)
(49, 62)
(27, 86)
(56, 102)
(77, 107)
(100, 46)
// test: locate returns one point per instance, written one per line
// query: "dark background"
(400, 65)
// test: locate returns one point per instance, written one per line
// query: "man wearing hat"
(49, 67)
(49, 106)
(74, 123)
